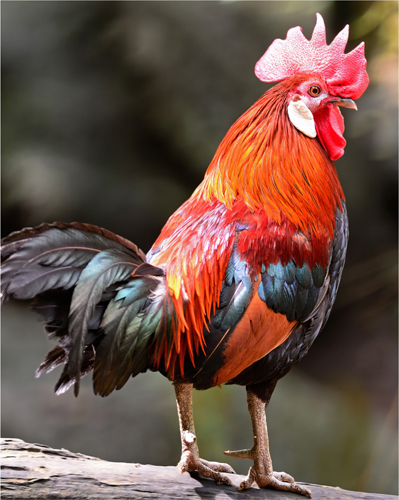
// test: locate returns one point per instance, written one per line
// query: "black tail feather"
(69, 273)
(104, 270)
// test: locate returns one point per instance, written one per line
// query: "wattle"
(330, 127)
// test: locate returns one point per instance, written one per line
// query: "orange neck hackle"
(264, 161)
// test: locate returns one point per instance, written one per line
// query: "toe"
(218, 467)
(249, 480)
(284, 477)
(285, 486)
(278, 480)
(190, 462)
(205, 470)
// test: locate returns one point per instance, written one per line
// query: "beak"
(343, 103)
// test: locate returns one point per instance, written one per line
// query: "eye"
(314, 90)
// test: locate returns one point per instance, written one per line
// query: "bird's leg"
(190, 460)
(262, 472)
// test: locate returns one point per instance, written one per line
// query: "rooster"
(244, 274)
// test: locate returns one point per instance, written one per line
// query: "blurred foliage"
(111, 112)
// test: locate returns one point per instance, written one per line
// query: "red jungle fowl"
(242, 277)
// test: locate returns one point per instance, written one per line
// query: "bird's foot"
(261, 475)
(190, 462)
(277, 480)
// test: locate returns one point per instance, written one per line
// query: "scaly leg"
(262, 471)
(190, 460)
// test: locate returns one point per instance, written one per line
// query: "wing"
(280, 360)
(241, 283)
(262, 301)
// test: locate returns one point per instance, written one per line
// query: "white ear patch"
(301, 117)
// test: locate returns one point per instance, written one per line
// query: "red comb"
(345, 74)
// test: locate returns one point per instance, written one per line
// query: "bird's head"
(323, 78)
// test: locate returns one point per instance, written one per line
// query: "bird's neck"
(266, 163)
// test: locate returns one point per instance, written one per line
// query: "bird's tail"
(96, 294)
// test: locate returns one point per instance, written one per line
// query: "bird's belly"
(260, 331)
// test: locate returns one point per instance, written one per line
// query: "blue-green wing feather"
(291, 289)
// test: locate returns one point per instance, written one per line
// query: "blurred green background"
(111, 112)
